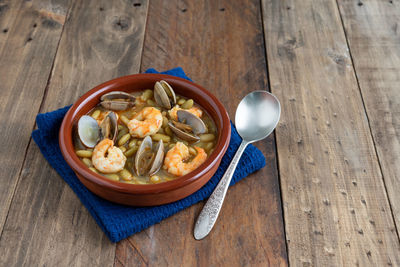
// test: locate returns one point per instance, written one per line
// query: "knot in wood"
(121, 24)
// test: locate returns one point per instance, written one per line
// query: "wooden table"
(329, 195)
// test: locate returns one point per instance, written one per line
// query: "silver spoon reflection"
(256, 117)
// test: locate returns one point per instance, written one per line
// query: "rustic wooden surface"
(373, 36)
(335, 205)
(228, 58)
(46, 224)
(335, 165)
(26, 30)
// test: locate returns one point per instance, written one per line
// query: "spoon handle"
(208, 216)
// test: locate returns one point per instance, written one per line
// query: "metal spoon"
(256, 117)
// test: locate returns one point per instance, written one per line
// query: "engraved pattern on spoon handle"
(208, 216)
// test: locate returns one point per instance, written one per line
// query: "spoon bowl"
(256, 117)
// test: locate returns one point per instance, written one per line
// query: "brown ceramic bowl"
(155, 194)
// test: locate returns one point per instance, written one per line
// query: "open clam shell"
(117, 100)
(88, 131)
(164, 94)
(158, 160)
(149, 160)
(109, 127)
(187, 136)
(197, 124)
(188, 127)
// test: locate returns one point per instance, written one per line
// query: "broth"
(145, 119)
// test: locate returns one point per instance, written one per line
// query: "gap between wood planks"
(312, 48)
(34, 125)
(274, 132)
(62, 75)
(368, 119)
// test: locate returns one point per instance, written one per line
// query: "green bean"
(84, 153)
(207, 137)
(87, 162)
(131, 151)
(158, 137)
(128, 164)
(147, 94)
(208, 146)
(132, 143)
(120, 127)
(124, 119)
(125, 138)
(96, 114)
(192, 151)
(112, 176)
(171, 145)
(161, 131)
(122, 133)
(168, 131)
(200, 144)
(139, 142)
(126, 175)
(181, 101)
(165, 121)
(188, 104)
(151, 103)
(93, 169)
(123, 149)
(167, 179)
(155, 179)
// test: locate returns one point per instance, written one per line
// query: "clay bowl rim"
(68, 152)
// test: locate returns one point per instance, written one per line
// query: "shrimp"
(174, 160)
(147, 122)
(108, 158)
(195, 111)
(102, 116)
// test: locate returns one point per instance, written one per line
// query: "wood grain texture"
(335, 205)
(373, 36)
(8, 13)
(47, 225)
(25, 33)
(220, 46)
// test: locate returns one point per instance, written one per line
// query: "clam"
(149, 159)
(88, 131)
(164, 95)
(109, 126)
(188, 126)
(117, 100)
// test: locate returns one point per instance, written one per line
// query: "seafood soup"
(145, 137)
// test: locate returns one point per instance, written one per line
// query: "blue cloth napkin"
(119, 221)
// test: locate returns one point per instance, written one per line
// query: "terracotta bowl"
(155, 194)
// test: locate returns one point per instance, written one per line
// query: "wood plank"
(335, 205)
(47, 225)
(25, 34)
(220, 46)
(8, 13)
(373, 36)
